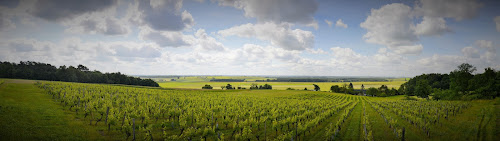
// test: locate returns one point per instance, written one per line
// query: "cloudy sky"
(254, 37)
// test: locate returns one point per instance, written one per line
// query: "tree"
(305, 88)
(335, 88)
(422, 89)
(229, 86)
(363, 89)
(82, 68)
(401, 89)
(344, 88)
(351, 86)
(483, 85)
(459, 78)
(206, 87)
(383, 89)
(372, 91)
(316, 87)
(222, 87)
(267, 86)
(254, 86)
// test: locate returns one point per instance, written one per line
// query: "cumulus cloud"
(391, 25)
(94, 17)
(57, 10)
(497, 22)
(384, 56)
(277, 11)
(485, 44)
(278, 34)
(166, 38)
(72, 51)
(163, 15)
(432, 26)
(7, 9)
(410, 49)
(330, 23)
(340, 23)
(316, 51)
(470, 52)
(434, 13)
(490, 53)
(457, 9)
(439, 63)
(5, 22)
(98, 22)
(346, 56)
(204, 42)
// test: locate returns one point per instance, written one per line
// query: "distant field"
(325, 86)
(208, 78)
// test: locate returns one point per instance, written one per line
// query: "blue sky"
(260, 37)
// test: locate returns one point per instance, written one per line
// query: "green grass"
(26, 113)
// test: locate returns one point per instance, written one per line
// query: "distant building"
(172, 79)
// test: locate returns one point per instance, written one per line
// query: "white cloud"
(340, 23)
(346, 56)
(384, 56)
(457, 9)
(411, 49)
(432, 26)
(497, 22)
(330, 23)
(278, 34)
(470, 52)
(102, 22)
(277, 11)
(391, 25)
(490, 55)
(438, 63)
(485, 44)
(166, 38)
(316, 51)
(103, 56)
(207, 43)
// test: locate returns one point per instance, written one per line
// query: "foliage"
(316, 87)
(265, 86)
(372, 92)
(207, 87)
(335, 88)
(459, 84)
(229, 86)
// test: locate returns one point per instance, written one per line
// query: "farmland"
(197, 83)
(111, 112)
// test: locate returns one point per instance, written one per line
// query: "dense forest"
(460, 84)
(42, 71)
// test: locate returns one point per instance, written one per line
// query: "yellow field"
(325, 86)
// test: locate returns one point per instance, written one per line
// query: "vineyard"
(129, 113)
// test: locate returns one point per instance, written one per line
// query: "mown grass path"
(351, 130)
(26, 113)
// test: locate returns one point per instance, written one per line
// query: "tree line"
(382, 91)
(229, 87)
(460, 84)
(43, 71)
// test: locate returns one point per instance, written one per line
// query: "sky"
(254, 37)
